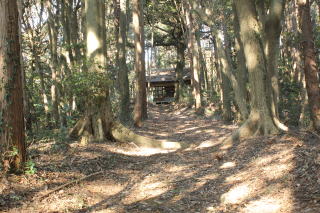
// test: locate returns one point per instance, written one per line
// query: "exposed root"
(256, 124)
(280, 125)
(92, 129)
(123, 134)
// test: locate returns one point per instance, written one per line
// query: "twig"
(68, 184)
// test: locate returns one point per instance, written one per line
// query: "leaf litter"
(263, 174)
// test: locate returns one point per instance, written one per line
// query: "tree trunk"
(260, 120)
(194, 57)
(98, 122)
(12, 134)
(241, 73)
(226, 79)
(310, 65)
(66, 17)
(54, 64)
(123, 81)
(140, 112)
(272, 30)
(179, 70)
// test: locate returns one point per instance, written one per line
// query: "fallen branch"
(69, 183)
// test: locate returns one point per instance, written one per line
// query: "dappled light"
(254, 176)
(236, 194)
(159, 106)
(93, 42)
(264, 205)
(228, 165)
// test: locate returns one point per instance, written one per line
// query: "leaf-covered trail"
(266, 174)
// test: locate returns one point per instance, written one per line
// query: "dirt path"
(261, 175)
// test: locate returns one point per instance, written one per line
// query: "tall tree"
(226, 75)
(140, 107)
(12, 135)
(270, 22)
(310, 64)
(54, 62)
(123, 82)
(193, 53)
(96, 123)
(260, 120)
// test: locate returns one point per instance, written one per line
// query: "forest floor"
(261, 175)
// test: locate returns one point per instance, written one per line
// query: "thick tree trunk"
(260, 120)
(241, 73)
(12, 134)
(310, 64)
(194, 58)
(272, 30)
(226, 78)
(140, 107)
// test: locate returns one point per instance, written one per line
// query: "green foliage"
(13, 152)
(30, 168)
(88, 85)
(290, 95)
(1, 122)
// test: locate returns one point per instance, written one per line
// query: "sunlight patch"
(93, 42)
(276, 171)
(264, 205)
(104, 189)
(191, 128)
(175, 168)
(143, 151)
(145, 190)
(170, 145)
(228, 165)
(209, 177)
(207, 144)
(236, 195)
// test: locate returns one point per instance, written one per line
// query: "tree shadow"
(262, 174)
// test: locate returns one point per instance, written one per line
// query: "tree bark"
(12, 132)
(140, 107)
(54, 64)
(260, 120)
(241, 73)
(310, 64)
(179, 69)
(226, 78)
(123, 81)
(272, 30)
(194, 57)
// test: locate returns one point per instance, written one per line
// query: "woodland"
(84, 127)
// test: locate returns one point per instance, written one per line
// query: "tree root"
(123, 134)
(254, 125)
(84, 129)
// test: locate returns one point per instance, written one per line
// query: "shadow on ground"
(266, 174)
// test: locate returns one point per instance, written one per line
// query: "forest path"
(261, 175)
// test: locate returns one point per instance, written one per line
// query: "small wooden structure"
(161, 84)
